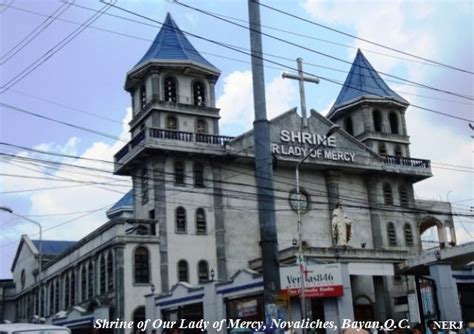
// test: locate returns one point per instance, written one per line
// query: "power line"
(33, 34)
(363, 39)
(307, 49)
(56, 48)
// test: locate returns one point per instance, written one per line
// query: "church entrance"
(317, 312)
(363, 310)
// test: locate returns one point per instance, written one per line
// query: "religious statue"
(341, 227)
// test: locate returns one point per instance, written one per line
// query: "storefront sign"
(321, 280)
(298, 144)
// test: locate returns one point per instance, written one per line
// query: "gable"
(290, 143)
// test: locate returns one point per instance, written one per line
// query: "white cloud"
(236, 101)
(70, 199)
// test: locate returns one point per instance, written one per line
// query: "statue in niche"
(341, 227)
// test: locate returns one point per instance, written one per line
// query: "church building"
(184, 242)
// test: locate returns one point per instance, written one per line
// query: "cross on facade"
(301, 78)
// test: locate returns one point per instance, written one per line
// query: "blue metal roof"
(124, 204)
(363, 81)
(172, 44)
(52, 247)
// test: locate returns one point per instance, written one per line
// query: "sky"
(82, 84)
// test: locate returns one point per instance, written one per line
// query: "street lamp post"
(333, 129)
(6, 209)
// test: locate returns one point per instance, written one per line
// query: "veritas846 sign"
(321, 280)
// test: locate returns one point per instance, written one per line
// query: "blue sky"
(88, 74)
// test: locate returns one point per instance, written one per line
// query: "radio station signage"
(298, 144)
(321, 280)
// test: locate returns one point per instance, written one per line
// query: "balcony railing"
(183, 136)
(408, 162)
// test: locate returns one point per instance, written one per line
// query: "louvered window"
(392, 234)
(170, 89)
(180, 220)
(382, 149)
(199, 94)
(179, 172)
(142, 265)
(110, 272)
(198, 175)
(402, 192)
(142, 97)
(387, 194)
(201, 227)
(408, 235)
(203, 271)
(183, 271)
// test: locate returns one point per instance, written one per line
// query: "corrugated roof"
(52, 247)
(172, 44)
(363, 81)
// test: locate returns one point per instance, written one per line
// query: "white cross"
(301, 78)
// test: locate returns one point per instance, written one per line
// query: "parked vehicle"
(33, 329)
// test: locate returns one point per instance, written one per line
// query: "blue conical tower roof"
(363, 82)
(172, 45)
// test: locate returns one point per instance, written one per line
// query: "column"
(119, 285)
(155, 86)
(446, 291)
(219, 222)
(372, 191)
(340, 308)
(159, 187)
(368, 124)
(382, 303)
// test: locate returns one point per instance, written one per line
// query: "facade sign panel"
(321, 280)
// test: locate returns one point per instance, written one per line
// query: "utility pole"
(263, 169)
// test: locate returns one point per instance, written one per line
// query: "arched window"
(403, 195)
(392, 234)
(387, 194)
(199, 94)
(382, 149)
(170, 89)
(201, 126)
(179, 172)
(198, 174)
(183, 271)
(90, 280)
(142, 265)
(84, 283)
(393, 118)
(377, 116)
(142, 97)
(408, 235)
(171, 123)
(138, 316)
(73, 287)
(203, 271)
(201, 226)
(67, 290)
(110, 272)
(180, 220)
(348, 126)
(398, 151)
(102, 270)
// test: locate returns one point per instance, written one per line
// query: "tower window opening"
(377, 116)
(398, 151)
(382, 149)
(171, 123)
(142, 97)
(393, 118)
(170, 89)
(199, 94)
(201, 126)
(348, 126)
